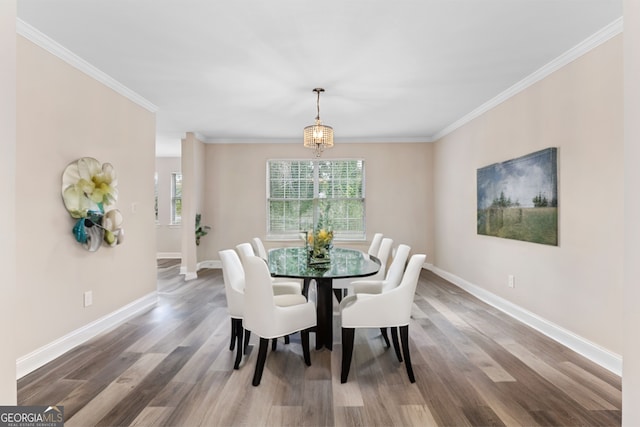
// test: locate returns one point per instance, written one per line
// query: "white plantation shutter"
(298, 190)
(176, 198)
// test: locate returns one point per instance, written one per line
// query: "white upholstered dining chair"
(391, 281)
(233, 274)
(341, 286)
(368, 285)
(374, 246)
(271, 316)
(281, 286)
(261, 251)
(390, 309)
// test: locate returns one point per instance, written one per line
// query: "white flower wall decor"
(90, 193)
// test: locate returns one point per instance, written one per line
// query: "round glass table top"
(293, 262)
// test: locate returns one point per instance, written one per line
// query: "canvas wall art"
(518, 198)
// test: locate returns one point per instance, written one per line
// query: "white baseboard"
(168, 255)
(582, 346)
(188, 275)
(209, 264)
(45, 354)
(191, 275)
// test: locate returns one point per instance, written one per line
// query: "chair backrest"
(397, 267)
(258, 296)
(245, 250)
(375, 244)
(234, 281)
(383, 256)
(390, 308)
(258, 248)
(409, 282)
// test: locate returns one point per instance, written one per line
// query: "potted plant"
(201, 230)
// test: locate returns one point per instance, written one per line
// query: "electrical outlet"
(88, 298)
(512, 281)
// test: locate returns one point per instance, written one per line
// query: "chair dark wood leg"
(286, 339)
(385, 336)
(274, 344)
(338, 294)
(404, 336)
(247, 335)
(305, 346)
(347, 352)
(262, 357)
(396, 344)
(305, 288)
(232, 344)
(239, 351)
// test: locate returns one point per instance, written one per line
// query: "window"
(176, 198)
(298, 191)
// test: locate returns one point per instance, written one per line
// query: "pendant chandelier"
(318, 136)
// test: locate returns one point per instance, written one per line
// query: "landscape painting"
(518, 198)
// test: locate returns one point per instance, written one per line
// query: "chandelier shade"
(318, 136)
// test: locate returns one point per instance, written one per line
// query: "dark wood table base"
(324, 310)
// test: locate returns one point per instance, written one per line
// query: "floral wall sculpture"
(90, 192)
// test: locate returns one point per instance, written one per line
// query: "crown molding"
(605, 34)
(55, 48)
(347, 140)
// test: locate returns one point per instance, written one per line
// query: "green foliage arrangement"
(201, 230)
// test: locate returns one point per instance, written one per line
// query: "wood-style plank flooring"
(474, 366)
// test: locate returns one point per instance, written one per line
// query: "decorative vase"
(319, 244)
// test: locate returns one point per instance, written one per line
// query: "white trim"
(190, 275)
(608, 32)
(588, 349)
(342, 140)
(45, 354)
(169, 255)
(209, 264)
(55, 48)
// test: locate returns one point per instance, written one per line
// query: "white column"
(8, 387)
(189, 264)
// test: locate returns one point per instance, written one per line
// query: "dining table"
(295, 262)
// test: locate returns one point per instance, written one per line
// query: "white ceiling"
(244, 70)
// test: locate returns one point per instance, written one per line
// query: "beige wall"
(169, 237)
(578, 284)
(8, 353)
(399, 193)
(62, 115)
(631, 362)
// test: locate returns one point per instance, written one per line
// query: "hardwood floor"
(474, 366)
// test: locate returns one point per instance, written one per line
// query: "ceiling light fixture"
(318, 136)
